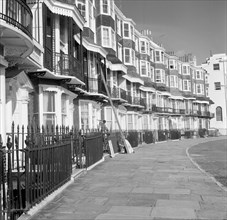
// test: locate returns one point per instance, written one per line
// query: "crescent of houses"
(52, 55)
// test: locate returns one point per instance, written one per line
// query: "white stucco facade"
(216, 66)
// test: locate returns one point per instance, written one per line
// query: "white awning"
(133, 79)
(147, 89)
(69, 10)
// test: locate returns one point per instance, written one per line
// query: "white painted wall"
(217, 96)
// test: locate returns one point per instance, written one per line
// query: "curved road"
(212, 157)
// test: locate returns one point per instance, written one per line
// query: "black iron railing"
(18, 14)
(123, 94)
(68, 65)
(36, 161)
(96, 85)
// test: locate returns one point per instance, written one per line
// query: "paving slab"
(173, 213)
(130, 210)
(178, 204)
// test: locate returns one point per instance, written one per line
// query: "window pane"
(48, 102)
(126, 30)
(216, 66)
(219, 113)
(217, 85)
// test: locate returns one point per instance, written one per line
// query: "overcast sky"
(184, 26)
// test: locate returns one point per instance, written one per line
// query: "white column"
(58, 108)
(8, 107)
(57, 33)
(2, 104)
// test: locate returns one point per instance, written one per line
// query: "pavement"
(158, 181)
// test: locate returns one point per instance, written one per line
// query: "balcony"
(176, 111)
(117, 93)
(129, 97)
(136, 100)
(95, 86)
(16, 29)
(168, 110)
(123, 94)
(182, 111)
(144, 104)
(18, 14)
(67, 65)
(195, 112)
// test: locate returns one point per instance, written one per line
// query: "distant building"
(216, 66)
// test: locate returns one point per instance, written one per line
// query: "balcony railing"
(168, 110)
(68, 65)
(95, 85)
(18, 14)
(115, 92)
(195, 112)
(176, 111)
(136, 100)
(182, 111)
(144, 103)
(123, 94)
(129, 97)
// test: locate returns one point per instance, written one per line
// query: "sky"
(183, 26)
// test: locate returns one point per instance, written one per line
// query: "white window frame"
(141, 46)
(113, 39)
(108, 7)
(188, 85)
(198, 74)
(120, 51)
(158, 72)
(119, 26)
(82, 12)
(143, 64)
(129, 35)
(130, 58)
(158, 54)
(107, 37)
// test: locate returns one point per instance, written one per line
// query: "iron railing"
(68, 65)
(18, 14)
(36, 161)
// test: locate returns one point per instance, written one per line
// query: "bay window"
(105, 36)
(105, 6)
(142, 47)
(119, 52)
(113, 39)
(126, 30)
(157, 56)
(63, 109)
(127, 55)
(84, 115)
(152, 73)
(197, 74)
(172, 81)
(158, 76)
(81, 5)
(143, 68)
(186, 85)
(133, 57)
(49, 113)
(200, 89)
(130, 122)
(148, 69)
(118, 26)
(132, 33)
